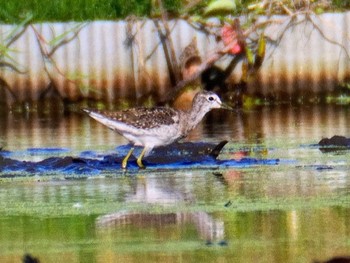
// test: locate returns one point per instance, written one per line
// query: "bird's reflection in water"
(150, 192)
(208, 228)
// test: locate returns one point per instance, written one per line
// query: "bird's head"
(208, 100)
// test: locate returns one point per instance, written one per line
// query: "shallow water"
(296, 211)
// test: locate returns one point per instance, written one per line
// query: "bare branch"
(168, 40)
(12, 39)
(47, 56)
(65, 41)
(172, 74)
(4, 64)
(17, 36)
(327, 38)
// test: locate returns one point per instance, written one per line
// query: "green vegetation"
(79, 10)
(15, 11)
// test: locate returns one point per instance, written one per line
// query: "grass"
(55, 10)
(15, 11)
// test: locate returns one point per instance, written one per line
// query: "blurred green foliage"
(15, 11)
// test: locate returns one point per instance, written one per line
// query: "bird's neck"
(195, 115)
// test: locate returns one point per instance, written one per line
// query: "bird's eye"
(210, 98)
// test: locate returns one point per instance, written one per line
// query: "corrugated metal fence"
(108, 60)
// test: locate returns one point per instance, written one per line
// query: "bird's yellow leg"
(139, 159)
(126, 158)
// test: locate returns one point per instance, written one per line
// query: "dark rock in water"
(175, 156)
(223, 243)
(187, 152)
(336, 140)
(208, 243)
(217, 149)
(336, 260)
(56, 162)
(185, 148)
(229, 203)
(27, 258)
(6, 161)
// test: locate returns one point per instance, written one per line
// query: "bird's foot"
(124, 164)
(140, 164)
(139, 159)
(125, 160)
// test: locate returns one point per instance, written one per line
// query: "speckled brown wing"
(144, 118)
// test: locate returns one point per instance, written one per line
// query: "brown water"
(297, 211)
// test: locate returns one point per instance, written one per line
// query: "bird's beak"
(226, 107)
